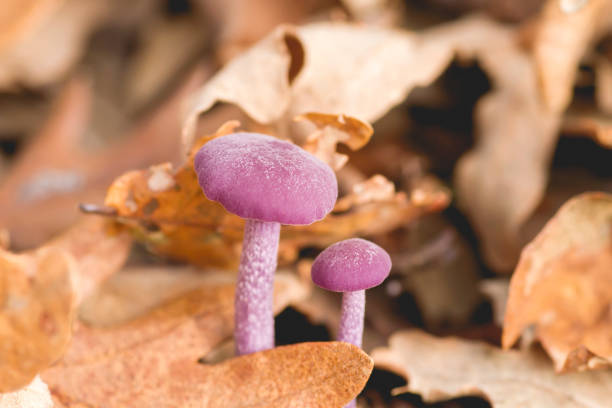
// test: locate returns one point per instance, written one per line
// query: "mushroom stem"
(351, 322)
(254, 317)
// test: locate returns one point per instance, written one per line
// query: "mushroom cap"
(350, 265)
(260, 177)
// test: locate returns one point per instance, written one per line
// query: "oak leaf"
(563, 286)
(444, 368)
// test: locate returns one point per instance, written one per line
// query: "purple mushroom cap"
(260, 177)
(351, 265)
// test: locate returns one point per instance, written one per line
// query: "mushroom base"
(254, 316)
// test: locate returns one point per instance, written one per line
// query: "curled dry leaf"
(28, 58)
(563, 286)
(561, 39)
(360, 71)
(34, 395)
(168, 211)
(317, 375)
(439, 369)
(376, 188)
(501, 181)
(39, 291)
(331, 130)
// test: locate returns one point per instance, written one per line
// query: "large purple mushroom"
(268, 182)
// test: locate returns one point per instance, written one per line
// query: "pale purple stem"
(351, 321)
(254, 319)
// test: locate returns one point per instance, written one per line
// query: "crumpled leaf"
(28, 58)
(332, 130)
(443, 368)
(561, 39)
(151, 360)
(56, 171)
(326, 374)
(40, 289)
(321, 68)
(563, 286)
(34, 395)
(168, 211)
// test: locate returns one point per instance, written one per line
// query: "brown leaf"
(56, 172)
(591, 123)
(563, 286)
(51, 41)
(561, 40)
(40, 289)
(332, 130)
(340, 57)
(301, 375)
(603, 84)
(34, 395)
(439, 369)
(168, 211)
(160, 349)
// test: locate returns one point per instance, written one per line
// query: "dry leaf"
(34, 395)
(332, 130)
(56, 172)
(560, 41)
(39, 291)
(19, 16)
(439, 369)
(51, 42)
(603, 85)
(161, 348)
(594, 124)
(321, 68)
(302, 375)
(376, 188)
(496, 290)
(563, 286)
(36, 315)
(169, 212)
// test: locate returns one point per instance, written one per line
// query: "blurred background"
(90, 90)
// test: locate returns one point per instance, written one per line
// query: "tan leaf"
(590, 123)
(603, 85)
(168, 211)
(40, 289)
(561, 39)
(37, 301)
(19, 16)
(292, 71)
(563, 286)
(47, 49)
(439, 369)
(302, 375)
(496, 290)
(34, 395)
(332, 130)
(376, 188)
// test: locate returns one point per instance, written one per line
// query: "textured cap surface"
(353, 264)
(260, 177)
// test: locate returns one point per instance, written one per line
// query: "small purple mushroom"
(351, 266)
(268, 182)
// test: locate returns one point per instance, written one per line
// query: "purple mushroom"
(351, 266)
(268, 182)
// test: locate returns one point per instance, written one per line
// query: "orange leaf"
(563, 286)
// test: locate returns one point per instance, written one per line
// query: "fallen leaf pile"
(470, 139)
